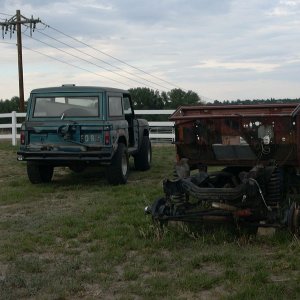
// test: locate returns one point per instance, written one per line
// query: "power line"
(65, 62)
(4, 14)
(23, 22)
(10, 43)
(119, 60)
(103, 61)
(69, 64)
(115, 58)
(85, 60)
(72, 65)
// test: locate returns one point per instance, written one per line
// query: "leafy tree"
(178, 97)
(145, 98)
(7, 106)
(165, 98)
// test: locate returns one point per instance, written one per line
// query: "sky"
(221, 49)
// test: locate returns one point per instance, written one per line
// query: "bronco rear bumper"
(101, 156)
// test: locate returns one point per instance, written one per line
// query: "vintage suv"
(78, 126)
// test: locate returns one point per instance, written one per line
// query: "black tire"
(117, 172)
(39, 173)
(142, 160)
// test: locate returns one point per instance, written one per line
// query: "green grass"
(79, 238)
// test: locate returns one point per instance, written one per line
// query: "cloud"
(285, 8)
(195, 44)
(247, 65)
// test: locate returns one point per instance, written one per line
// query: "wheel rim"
(124, 165)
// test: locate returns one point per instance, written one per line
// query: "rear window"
(66, 107)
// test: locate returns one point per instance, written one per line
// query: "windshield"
(68, 106)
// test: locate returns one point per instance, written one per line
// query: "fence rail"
(159, 130)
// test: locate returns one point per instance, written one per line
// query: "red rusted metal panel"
(238, 134)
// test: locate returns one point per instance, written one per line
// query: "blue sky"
(221, 49)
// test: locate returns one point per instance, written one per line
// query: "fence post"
(13, 128)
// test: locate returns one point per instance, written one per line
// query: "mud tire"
(39, 173)
(142, 160)
(117, 172)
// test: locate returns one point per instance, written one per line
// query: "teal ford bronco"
(80, 126)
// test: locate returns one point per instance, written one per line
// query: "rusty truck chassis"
(257, 151)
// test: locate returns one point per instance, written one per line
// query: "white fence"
(158, 130)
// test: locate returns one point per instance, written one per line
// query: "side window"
(115, 106)
(127, 107)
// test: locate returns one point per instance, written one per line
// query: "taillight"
(106, 138)
(22, 137)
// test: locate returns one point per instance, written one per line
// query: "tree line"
(143, 98)
(146, 98)
(254, 101)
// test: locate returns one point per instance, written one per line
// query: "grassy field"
(79, 238)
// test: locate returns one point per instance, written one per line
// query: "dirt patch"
(3, 271)
(211, 269)
(215, 293)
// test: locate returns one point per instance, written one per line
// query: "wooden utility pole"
(20, 61)
(12, 25)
